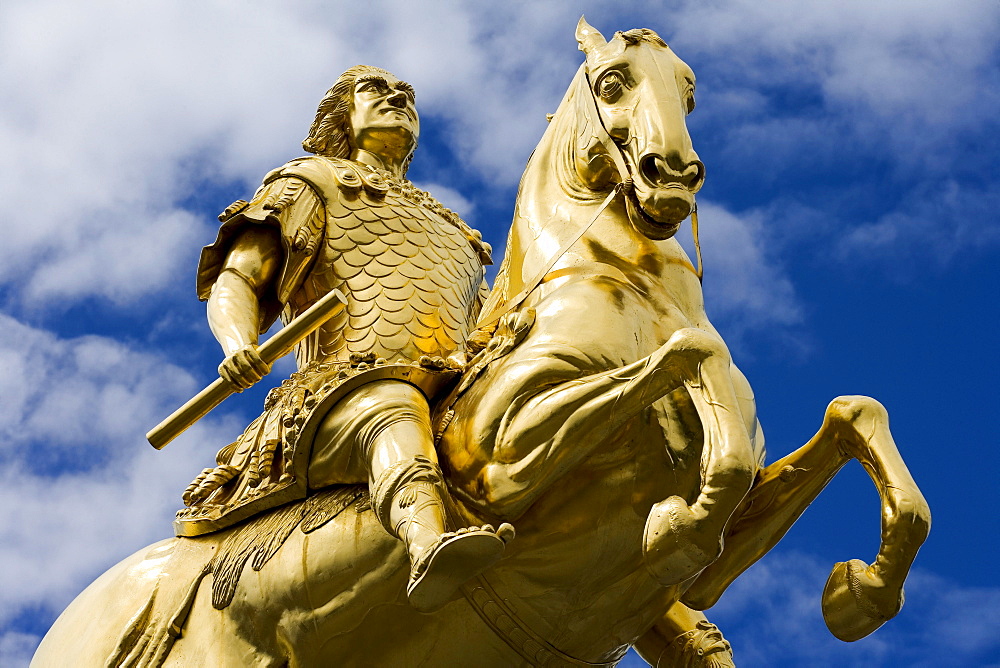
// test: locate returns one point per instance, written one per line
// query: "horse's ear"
(588, 36)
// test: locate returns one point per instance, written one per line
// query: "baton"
(271, 350)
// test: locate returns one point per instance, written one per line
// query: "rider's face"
(383, 118)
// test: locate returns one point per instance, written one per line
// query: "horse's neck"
(552, 209)
(554, 204)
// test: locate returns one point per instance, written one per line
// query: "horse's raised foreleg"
(681, 539)
(553, 419)
(557, 428)
(858, 597)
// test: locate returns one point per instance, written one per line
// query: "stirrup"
(454, 558)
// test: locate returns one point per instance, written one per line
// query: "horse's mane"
(535, 234)
(570, 160)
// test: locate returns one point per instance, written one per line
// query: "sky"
(848, 224)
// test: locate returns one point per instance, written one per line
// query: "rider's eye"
(610, 85)
(372, 86)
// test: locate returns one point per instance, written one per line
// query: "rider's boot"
(407, 493)
(441, 561)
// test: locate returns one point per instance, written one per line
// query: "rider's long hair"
(330, 133)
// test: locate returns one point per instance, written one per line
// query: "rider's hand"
(244, 368)
(480, 339)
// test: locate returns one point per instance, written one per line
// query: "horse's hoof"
(675, 544)
(447, 564)
(856, 602)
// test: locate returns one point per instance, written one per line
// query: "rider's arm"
(250, 268)
(258, 261)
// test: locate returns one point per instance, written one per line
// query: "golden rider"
(359, 407)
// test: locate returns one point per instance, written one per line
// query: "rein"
(624, 186)
(625, 183)
(700, 272)
(516, 301)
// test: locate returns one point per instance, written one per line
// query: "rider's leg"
(859, 597)
(389, 423)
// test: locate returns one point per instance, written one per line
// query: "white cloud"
(87, 488)
(16, 649)
(939, 222)
(919, 58)
(891, 105)
(772, 616)
(746, 288)
(114, 114)
(98, 384)
(451, 198)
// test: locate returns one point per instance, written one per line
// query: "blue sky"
(848, 222)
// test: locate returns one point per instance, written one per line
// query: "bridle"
(625, 180)
(625, 186)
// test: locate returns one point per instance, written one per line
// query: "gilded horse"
(605, 419)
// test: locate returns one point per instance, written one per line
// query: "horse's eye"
(610, 85)
(689, 95)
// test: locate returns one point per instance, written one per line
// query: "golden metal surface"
(276, 347)
(592, 405)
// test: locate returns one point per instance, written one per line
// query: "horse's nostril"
(698, 177)
(660, 172)
(649, 170)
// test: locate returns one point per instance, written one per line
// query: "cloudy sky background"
(849, 229)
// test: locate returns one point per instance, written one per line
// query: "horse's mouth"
(659, 214)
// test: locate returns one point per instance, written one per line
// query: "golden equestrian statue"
(367, 517)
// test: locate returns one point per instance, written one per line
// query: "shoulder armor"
(236, 207)
(336, 178)
(333, 177)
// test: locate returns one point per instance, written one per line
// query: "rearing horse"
(605, 419)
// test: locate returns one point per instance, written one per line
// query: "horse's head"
(622, 120)
(641, 93)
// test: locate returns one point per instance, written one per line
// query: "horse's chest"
(660, 446)
(649, 317)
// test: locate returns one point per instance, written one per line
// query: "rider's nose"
(397, 99)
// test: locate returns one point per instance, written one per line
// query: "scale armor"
(412, 272)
